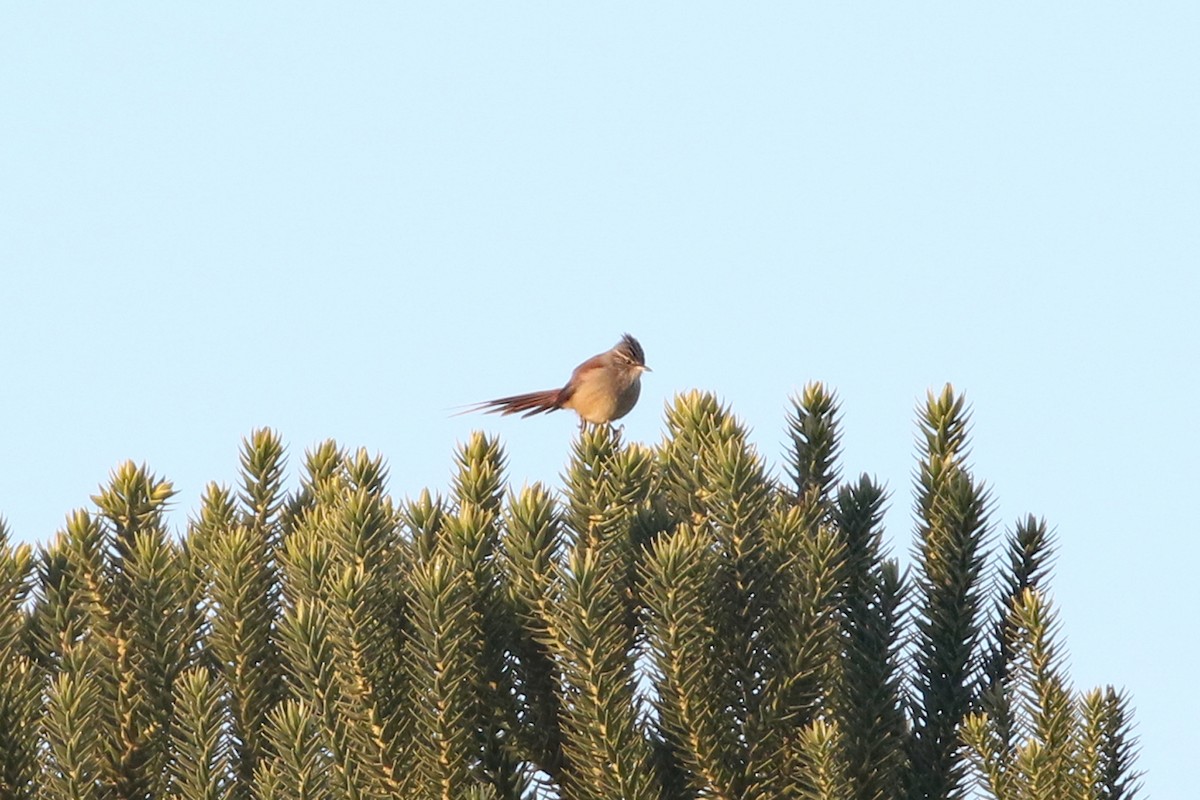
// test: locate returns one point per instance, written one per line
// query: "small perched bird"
(601, 389)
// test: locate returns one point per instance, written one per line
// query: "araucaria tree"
(676, 622)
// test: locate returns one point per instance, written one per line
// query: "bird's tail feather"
(531, 403)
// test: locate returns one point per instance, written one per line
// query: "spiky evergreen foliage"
(743, 601)
(814, 429)
(1062, 746)
(1108, 750)
(20, 689)
(863, 682)
(590, 623)
(300, 766)
(677, 624)
(868, 700)
(233, 548)
(114, 630)
(952, 523)
(824, 772)
(199, 768)
(473, 540)
(1028, 556)
(531, 548)
(339, 628)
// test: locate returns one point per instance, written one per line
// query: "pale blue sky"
(345, 222)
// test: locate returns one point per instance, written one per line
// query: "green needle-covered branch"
(951, 527)
(20, 690)
(200, 768)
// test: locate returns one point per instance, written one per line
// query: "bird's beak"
(646, 369)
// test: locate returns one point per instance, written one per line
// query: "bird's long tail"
(532, 403)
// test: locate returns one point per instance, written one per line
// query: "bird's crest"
(632, 350)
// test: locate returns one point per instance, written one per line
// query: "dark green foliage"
(300, 767)
(234, 554)
(114, 630)
(823, 774)
(443, 657)
(74, 764)
(868, 700)
(20, 688)
(1028, 553)
(1063, 746)
(677, 624)
(590, 626)
(767, 609)
(815, 438)
(531, 548)
(1109, 749)
(200, 768)
(951, 525)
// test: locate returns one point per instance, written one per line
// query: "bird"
(602, 389)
